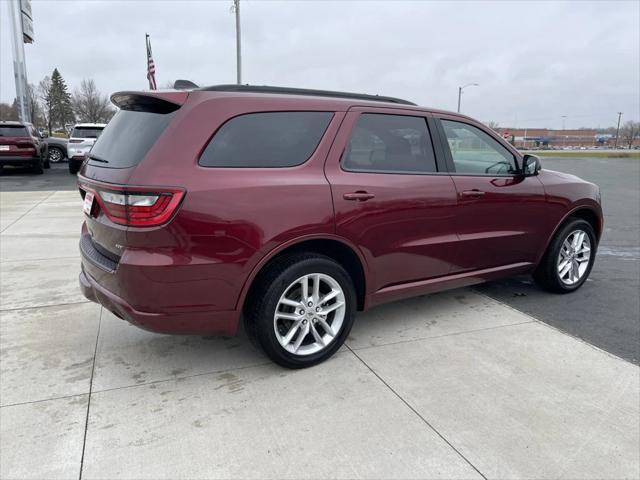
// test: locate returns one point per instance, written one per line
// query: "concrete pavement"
(453, 385)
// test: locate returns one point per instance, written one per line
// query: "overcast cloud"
(534, 61)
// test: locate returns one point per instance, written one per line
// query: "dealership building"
(544, 137)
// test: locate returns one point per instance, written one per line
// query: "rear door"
(391, 198)
(501, 214)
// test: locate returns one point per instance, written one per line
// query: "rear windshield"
(17, 131)
(127, 138)
(273, 139)
(86, 132)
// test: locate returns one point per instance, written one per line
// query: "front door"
(501, 214)
(391, 199)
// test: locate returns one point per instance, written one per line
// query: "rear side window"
(17, 131)
(382, 143)
(127, 138)
(274, 139)
(86, 132)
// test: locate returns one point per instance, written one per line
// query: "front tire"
(301, 310)
(569, 258)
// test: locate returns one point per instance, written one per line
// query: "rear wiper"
(101, 160)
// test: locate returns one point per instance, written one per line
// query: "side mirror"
(530, 165)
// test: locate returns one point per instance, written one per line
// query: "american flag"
(151, 67)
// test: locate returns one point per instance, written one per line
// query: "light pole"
(615, 146)
(236, 9)
(462, 88)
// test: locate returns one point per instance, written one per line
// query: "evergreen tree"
(60, 101)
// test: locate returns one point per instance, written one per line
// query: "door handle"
(475, 193)
(360, 196)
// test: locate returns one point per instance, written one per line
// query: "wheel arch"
(332, 246)
(588, 213)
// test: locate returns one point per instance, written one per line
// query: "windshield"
(13, 131)
(128, 138)
(86, 132)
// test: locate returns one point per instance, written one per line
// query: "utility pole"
(615, 146)
(460, 92)
(236, 9)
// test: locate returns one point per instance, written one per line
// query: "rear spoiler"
(155, 102)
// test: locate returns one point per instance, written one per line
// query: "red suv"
(295, 208)
(22, 146)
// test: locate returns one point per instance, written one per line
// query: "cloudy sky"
(534, 61)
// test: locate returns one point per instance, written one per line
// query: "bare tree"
(47, 101)
(90, 105)
(629, 132)
(34, 105)
(493, 125)
(8, 112)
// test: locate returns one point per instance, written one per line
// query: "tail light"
(27, 148)
(137, 206)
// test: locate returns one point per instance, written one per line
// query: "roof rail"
(303, 91)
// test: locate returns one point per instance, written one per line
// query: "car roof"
(331, 99)
(297, 98)
(266, 89)
(81, 125)
(13, 123)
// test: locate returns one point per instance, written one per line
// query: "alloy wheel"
(574, 257)
(309, 314)
(55, 155)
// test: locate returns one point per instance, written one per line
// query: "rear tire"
(38, 168)
(297, 330)
(569, 258)
(55, 155)
(73, 167)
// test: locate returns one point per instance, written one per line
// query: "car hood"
(564, 176)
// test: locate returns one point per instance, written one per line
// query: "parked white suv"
(82, 138)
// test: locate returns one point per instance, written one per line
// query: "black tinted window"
(17, 131)
(390, 143)
(86, 132)
(276, 139)
(127, 138)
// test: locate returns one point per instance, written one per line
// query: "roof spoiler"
(154, 101)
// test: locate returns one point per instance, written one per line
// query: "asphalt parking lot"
(452, 385)
(606, 310)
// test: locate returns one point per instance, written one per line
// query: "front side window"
(382, 143)
(475, 152)
(270, 139)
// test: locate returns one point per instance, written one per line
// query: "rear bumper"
(186, 321)
(17, 161)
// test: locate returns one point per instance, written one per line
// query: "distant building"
(546, 138)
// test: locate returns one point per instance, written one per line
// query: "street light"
(462, 88)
